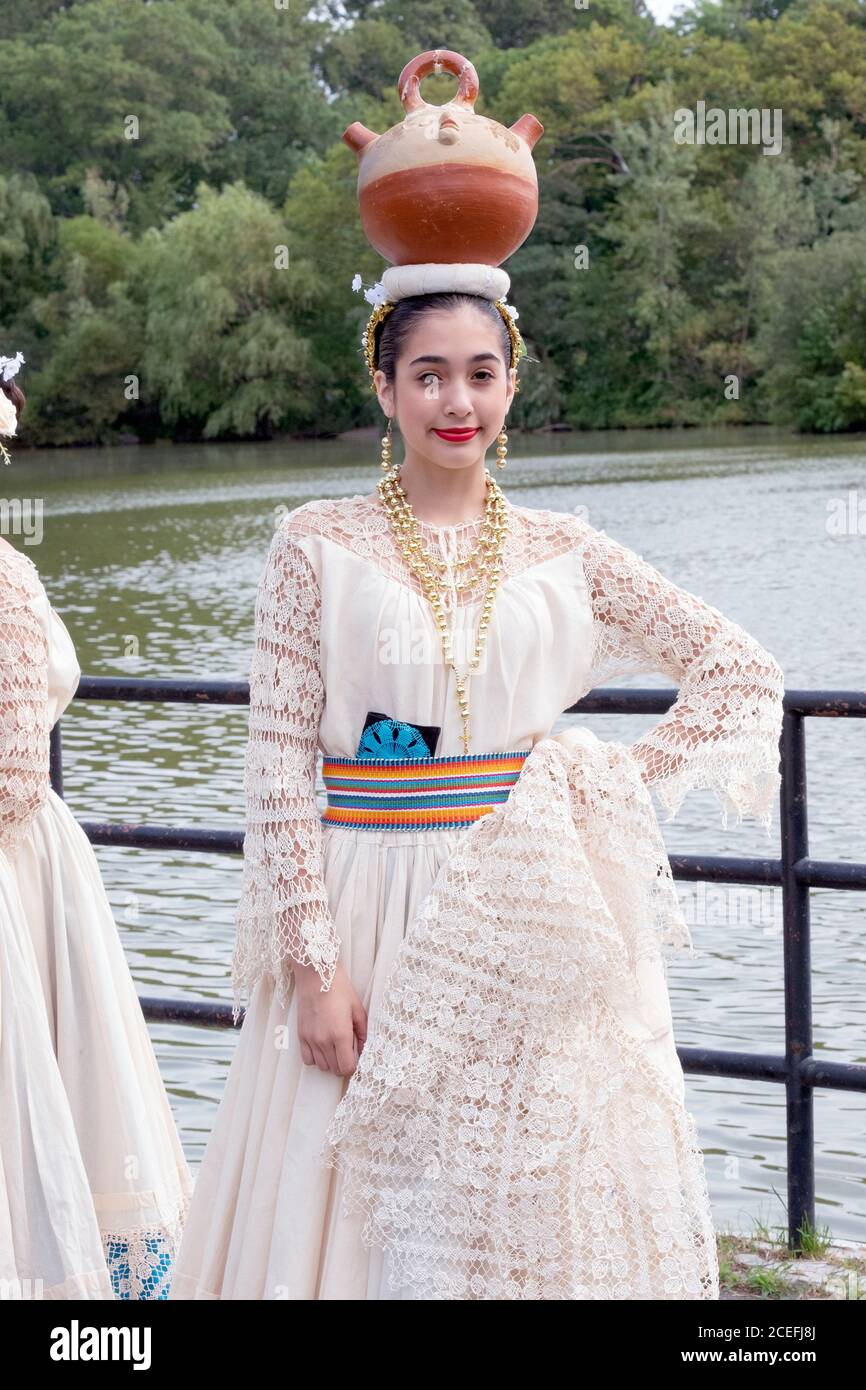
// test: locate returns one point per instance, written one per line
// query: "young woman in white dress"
(94, 1185)
(348, 661)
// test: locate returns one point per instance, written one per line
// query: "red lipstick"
(456, 436)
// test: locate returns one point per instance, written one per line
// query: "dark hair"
(15, 394)
(390, 335)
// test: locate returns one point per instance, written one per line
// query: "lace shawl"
(24, 726)
(503, 1135)
(722, 732)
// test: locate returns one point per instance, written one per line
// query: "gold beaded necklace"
(489, 552)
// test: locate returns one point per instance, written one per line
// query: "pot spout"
(358, 137)
(528, 126)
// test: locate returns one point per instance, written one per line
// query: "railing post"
(798, 980)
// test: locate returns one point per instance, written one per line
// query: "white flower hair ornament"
(375, 295)
(8, 413)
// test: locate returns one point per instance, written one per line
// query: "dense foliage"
(179, 225)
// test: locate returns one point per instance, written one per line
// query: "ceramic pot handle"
(437, 60)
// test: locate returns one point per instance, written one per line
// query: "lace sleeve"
(283, 915)
(24, 731)
(723, 731)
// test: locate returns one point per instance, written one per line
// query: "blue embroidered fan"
(384, 737)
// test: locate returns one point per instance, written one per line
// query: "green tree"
(773, 211)
(107, 85)
(278, 110)
(648, 232)
(28, 240)
(221, 354)
(729, 19)
(812, 340)
(87, 333)
(370, 54)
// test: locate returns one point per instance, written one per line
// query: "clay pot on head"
(445, 184)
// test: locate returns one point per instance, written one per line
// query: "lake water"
(152, 558)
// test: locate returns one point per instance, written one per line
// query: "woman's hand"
(329, 1021)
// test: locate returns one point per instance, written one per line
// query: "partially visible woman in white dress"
(94, 1186)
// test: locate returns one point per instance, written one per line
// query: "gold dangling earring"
(501, 451)
(386, 446)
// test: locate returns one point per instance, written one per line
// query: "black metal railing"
(798, 1069)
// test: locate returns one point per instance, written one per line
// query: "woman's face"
(450, 376)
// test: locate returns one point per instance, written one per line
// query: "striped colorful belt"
(417, 793)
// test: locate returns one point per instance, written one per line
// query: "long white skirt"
(94, 1185)
(266, 1219)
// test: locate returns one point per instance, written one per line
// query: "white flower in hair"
(511, 310)
(9, 365)
(375, 295)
